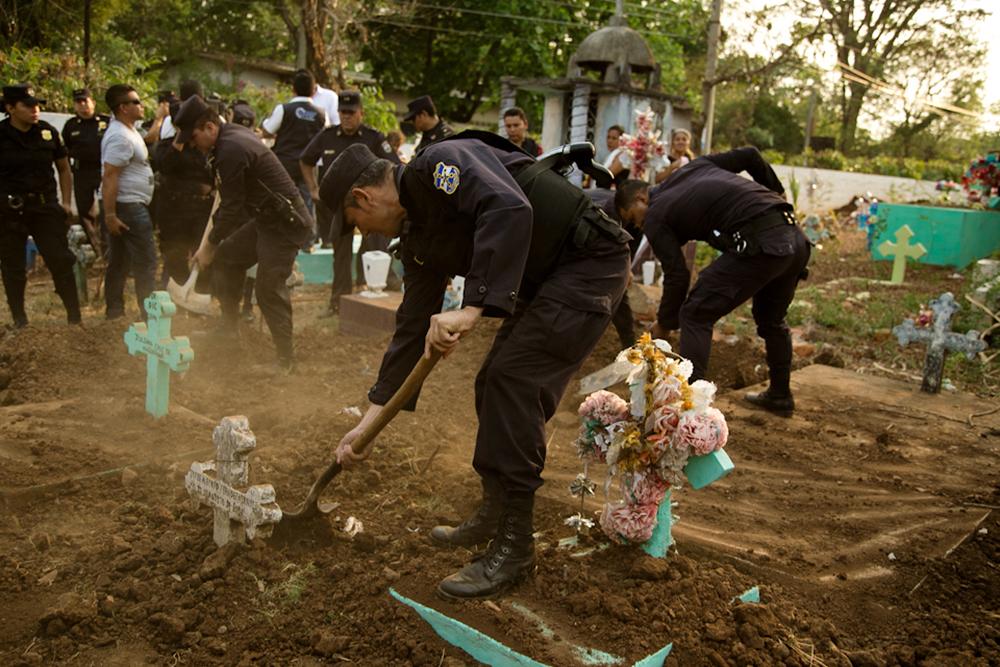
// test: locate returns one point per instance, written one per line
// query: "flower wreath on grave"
(647, 440)
(643, 150)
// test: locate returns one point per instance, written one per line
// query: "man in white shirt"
(126, 190)
(293, 125)
(329, 102)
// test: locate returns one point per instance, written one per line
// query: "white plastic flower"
(702, 395)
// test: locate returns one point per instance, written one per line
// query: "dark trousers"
(46, 224)
(535, 354)
(133, 250)
(730, 281)
(182, 221)
(273, 250)
(624, 322)
(85, 184)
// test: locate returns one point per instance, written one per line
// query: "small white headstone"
(237, 513)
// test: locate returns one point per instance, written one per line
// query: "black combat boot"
(481, 527)
(782, 406)
(508, 560)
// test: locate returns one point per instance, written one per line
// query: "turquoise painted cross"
(164, 353)
(899, 251)
(700, 471)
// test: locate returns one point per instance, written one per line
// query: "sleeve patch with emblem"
(47, 135)
(446, 177)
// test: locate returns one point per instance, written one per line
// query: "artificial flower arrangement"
(982, 181)
(644, 154)
(647, 440)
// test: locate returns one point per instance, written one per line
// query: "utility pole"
(708, 85)
(86, 41)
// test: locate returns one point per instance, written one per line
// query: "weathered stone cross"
(700, 471)
(79, 245)
(237, 513)
(163, 352)
(940, 340)
(899, 251)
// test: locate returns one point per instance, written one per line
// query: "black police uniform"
(327, 145)
(182, 204)
(82, 137)
(300, 122)
(29, 205)
(764, 253)
(532, 255)
(623, 320)
(261, 220)
(440, 131)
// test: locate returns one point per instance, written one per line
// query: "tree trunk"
(854, 97)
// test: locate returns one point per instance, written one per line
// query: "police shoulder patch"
(386, 147)
(47, 135)
(446, 177)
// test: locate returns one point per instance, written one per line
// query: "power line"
(521, 17)
(857, 76)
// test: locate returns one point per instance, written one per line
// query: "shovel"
(311, 507)
(185, 296)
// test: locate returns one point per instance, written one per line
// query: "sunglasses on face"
(135, 102)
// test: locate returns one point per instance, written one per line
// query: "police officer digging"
(82, 135)
(534, 251)
(324, 149)
(764, 255)
(261, 220)
(29, 204)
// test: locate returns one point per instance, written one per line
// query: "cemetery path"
(837, 514)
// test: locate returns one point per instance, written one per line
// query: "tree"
(881, 38)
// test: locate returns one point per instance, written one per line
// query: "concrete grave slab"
(369, 317)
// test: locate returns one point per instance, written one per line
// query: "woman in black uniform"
(29, 205)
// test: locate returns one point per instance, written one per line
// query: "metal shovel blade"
(311, 507)
(185, 296)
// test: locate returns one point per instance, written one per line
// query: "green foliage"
(931, 170)
(380, 113)
(55, 75)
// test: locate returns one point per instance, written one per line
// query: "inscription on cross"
(164, 353)
(940, 340)
(237, 513)
(899, 251)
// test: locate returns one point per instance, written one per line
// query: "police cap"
(243, 114)
(350, 100)
(21, 92)
(187, 115)
(423, 103)
(81, 94)
(341, 175)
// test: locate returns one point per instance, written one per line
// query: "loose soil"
(867, 520)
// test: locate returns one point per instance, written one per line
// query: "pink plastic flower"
(661, 423)
(629, 523)
(605, 407)
(646, 489)
(701, 433)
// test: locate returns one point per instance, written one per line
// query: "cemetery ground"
(868, 520)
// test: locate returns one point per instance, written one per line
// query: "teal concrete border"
(953, 236)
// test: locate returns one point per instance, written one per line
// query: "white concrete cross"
(940, 340)
(251, 512)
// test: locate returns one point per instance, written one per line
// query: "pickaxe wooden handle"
(310, 507)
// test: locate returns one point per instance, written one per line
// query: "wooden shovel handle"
(398, 400)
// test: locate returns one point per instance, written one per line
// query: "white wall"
(823, 189)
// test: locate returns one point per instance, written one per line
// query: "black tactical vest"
(300, 122)
(436, 237)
